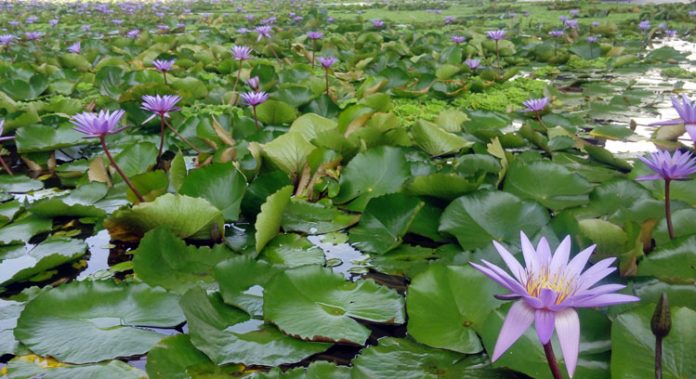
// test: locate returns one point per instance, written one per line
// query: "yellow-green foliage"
(411, 110)
(508, 95)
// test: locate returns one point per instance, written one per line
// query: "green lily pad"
(446, 186)
(675, 262)
(78, 203)
(19, 184)
(32, 366)
(242, 281)
(36, 138)
(446, 303)
(163, 259)
(49, 254)
(315, 218)
(373, 173)
(227, 335)
(176, 358)
(550, 184)
(402, 358)
(187, 217)
(219, 183)
(313, 303)
(631, 338)
(384, 223)
(85, 322)
(289, 152)
(436, 141)
(310, 125)
(274, 112)
(269, 220)
(292, 250)
(479, 218)
(9, 312)
(22, 229)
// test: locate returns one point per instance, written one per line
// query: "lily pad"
(242, 281)
(289, 152)
(22, 229)
(384, 223)
(479, 218)
(402, 358)
(187, 217)
(373, 173)
(78, 203)
(221, 184)
(49, 254)
(269, 220)
(176, 358)
(292, 250)
(631, 337)
(550, 184)
(9, 312)
(675, 262)
(19, 184)
(163, 259)
(85, 322)
(315, 218)
(32, 366)
(227, 335)
(315, 304)
(446, 303)
(437, 141)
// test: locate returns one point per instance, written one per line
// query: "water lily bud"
(661, 322)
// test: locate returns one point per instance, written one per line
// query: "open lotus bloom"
(687, 115)
(548, 288)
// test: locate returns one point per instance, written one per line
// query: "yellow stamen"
(557, 282)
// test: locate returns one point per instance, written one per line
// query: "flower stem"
(327, 81)
(182, 138)
(164, 75)
(239, 74)
(161, 146)
(668, 210)
(120, 172)
(551, 358)
(497, 56)
(6, 167)
(256, 118)
(314, 51)
(658, 357)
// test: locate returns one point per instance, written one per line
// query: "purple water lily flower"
(30, 20)
(671, 33)
(679, 166)
(496, 35)
(241, 53)
(687, 115)
(243, 30)
(160, 105)
(377, 23)
(692, 13)
(74, 48)
(662, 26)
(449, 19)
(644, 25)
(574, 12)
(315, 35)
(163, 27)
(6, 39)
(563, 19)
(327, 62)
(473, 64)
(53, 22)
(117, 22)
(458, 39)
(592, 39)
(254, 83)
(98, 125)
(249, 17)
(571, 24)
(13, 23)
(254, 99)
(133, 33)
(556, 33)
(163, 65)
(548, 288)
(595, 24)
(264, 32)
(535, 105)
(86, 28)
(330, 20)
(33, 36)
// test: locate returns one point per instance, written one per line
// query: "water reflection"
(340, 256)
(98, 245)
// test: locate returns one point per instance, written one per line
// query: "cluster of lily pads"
(298, 189)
